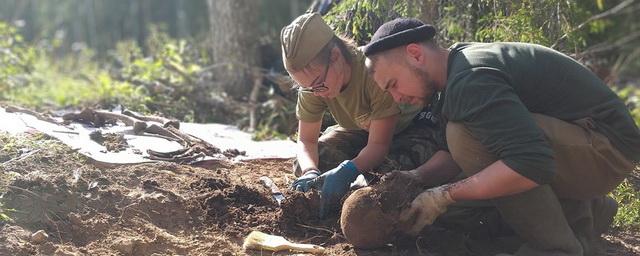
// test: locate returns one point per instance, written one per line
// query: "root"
(333, 233)
(124, 209)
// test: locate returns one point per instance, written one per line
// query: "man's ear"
(368, 63)
(415, 52)
(335, 54)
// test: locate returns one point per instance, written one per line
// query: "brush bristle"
(254, 240)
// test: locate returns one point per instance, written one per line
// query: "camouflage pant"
(409, 149)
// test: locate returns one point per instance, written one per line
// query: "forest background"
(219, 60)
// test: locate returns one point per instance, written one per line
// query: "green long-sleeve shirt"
(492, 88)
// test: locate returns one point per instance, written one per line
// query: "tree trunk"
(430, 11)
(92, 40)
(144, 9)
(234, 31)
(181, 19)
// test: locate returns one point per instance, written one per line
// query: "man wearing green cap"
(532, 129)
(331, 76)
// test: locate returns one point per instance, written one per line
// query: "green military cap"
(303, 39)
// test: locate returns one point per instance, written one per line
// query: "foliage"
(546, 22)
(73, 82)
(628, 198)
(12, 146)
(358, 19)
(34, 78)
(4, 213)
(169, 74)
(533, 21)
(101, 24)
(277, 119)
(172, 79)
(16, 59)
(630, 94)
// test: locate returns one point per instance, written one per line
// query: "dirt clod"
(39, 237)
(111, 141)
(232, 152)
(301, 206)
(369, 215)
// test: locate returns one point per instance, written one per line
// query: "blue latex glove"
(306, 181)
(335, 184)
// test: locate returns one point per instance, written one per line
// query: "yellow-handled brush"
(257, 240)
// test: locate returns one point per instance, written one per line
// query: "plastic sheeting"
(76, 136)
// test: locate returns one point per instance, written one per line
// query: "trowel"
(275, 192)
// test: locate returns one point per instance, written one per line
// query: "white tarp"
(76, 136)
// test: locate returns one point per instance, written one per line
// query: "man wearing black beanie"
(532, 130)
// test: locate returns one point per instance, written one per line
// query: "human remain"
(331, 75)
(532, 130)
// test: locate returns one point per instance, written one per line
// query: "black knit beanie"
(398, 32)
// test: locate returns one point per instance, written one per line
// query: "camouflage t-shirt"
(360, 102)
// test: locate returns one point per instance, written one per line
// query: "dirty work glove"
(424, 209)
(305, 182)
(335, 184)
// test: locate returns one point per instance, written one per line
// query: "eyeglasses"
(319, 87)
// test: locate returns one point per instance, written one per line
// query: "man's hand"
(424, 210)
(306, 181)
(335, 184)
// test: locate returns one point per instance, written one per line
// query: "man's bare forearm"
(439, 169)
(496, 180)
(371, 156)
(307, 155)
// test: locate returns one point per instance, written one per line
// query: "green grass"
(4, 213)
(14, 146)
(628, 198)
(65, 84)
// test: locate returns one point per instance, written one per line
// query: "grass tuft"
(628, 198)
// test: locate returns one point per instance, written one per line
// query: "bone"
(156, 129)
(98, 118)
(39, 116)
(164, 121)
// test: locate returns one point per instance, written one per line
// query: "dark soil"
(113, 142)
(169, 209)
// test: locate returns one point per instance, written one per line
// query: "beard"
(428, 85)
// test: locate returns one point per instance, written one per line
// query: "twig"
(124, 209)
(26, 191)
(625, 244)
(603, 47)
(602, 15)
(21, 157)
(310, 238)
(55, 225)
(321, 229)
(69, 132)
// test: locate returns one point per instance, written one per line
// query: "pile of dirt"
(154, 208)
(172, 209)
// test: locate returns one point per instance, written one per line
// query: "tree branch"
(613, 11)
